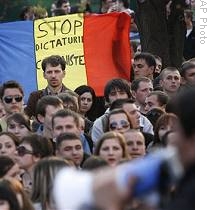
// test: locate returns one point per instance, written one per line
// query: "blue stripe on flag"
(17, 59)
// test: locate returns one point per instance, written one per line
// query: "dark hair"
(10, 84)
(94, 162)
(19, 118)
(8, 194)
(45, 101)
(148, 57)
(162, 97)
(164, 119)
(185, 67)
(183, 105)
(60, 2)
(41, 146)
(135, 83)
(189, 14)
(83, 89)
(66, 113)
(117, 83)
(118, 104)
(12, 136)
(154, 114)
(68, 98)
(66, 136)
(54, 60)
(6, 163)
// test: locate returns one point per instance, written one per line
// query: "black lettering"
(68, 25)
(58, 43)
(44, 46)
(77, 24)
(42, 30)
(52, 42)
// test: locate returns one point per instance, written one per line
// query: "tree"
(162, 34)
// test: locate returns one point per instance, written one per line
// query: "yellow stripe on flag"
(61, 35)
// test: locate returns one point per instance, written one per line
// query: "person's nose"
(135, 147)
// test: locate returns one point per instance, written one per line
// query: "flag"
(96, 48)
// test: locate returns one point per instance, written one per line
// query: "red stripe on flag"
(106, 48)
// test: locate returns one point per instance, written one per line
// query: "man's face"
(190, 76)
(50, 111)
(171, 81)
(158, 66)
(71, 150)
(54, 75)
(141, 69)
(66, 7)
(117, 94)
(151, 102)
(135, 144)
(65, 124)
(133, 113)
(12, 100)
(142, 92)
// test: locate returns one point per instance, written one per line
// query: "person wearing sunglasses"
(31, 149)
(11, 94)
(119, 121)
(112, 148)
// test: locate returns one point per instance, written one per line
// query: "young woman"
(119, 121)
(8, 144)
(112, 148)
(167, 122)
(86, 101)
(19, 125)
(44, 175)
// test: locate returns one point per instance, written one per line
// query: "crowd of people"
(133, 149)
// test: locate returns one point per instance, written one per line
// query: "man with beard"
(53, 71)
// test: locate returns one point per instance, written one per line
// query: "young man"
(144, 65)
(156, 99)
(68, 121)
(54, 72)
(187, 72)
(170, 81)
(46, 107)
(11, 94)
(69, 147)
(141, 87)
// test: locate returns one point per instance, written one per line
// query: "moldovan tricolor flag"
(96, 49)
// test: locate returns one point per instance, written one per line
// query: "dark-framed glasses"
(121, 124)
(9, 99)
(21, 151)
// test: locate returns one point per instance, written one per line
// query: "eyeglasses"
(9, 99)
(121, 124)
(21, 151)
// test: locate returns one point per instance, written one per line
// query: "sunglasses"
(9, 99)
(21, 151)
(121, 124)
